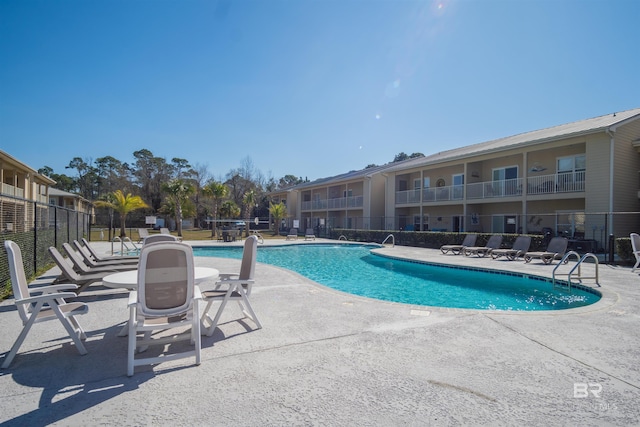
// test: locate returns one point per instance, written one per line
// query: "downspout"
(611, 132)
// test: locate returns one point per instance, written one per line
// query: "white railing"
(409, 196)
(336, 203)
(442, 194)
(558, 183)
(12, 190)
(314, 205)
(346, 202)
(490, 189)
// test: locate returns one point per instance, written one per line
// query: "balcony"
(566, 182)
(431, 194)
(314, 205)
(335, 203)
(10, 190)
(491, 189)
(569, 182)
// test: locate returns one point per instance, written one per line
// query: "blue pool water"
(353, 269)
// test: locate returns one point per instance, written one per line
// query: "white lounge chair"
(142, 233)
(293, 234)
(48, 305)
(494, 242)
(167, 297)
(309, 235)
(635, 245)
(469, 240)
(236, 287)
(555, 250)
(519, 248)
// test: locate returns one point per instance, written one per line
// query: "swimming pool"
(354, 269)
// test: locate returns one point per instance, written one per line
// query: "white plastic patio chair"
(166, 298)
(236, 287)
(635, 244)
(47, 305)
(154, 238)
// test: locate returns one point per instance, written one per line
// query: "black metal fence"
(34, 227)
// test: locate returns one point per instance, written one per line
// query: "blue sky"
(301, 87)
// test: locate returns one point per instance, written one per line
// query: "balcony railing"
(545, 184)
(12, 190)
(431, 194)
(489, 189)
(336, 203)
(565, 182)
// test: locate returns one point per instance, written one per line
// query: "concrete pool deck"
(325, 357)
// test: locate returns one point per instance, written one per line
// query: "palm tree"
(216, 191)
(278, 212)
(249, 200)
(179, 192)
(123, 205)
(229, 209)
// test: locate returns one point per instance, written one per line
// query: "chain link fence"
(34, 227)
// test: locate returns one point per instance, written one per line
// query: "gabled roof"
(24, 167)
(348, 176)
(58, 193)
(582, 127)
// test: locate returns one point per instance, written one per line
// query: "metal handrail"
(393, 240)
(342, 237)
(577, 267)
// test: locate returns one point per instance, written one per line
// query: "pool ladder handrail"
(342, 237)
(580, 277)
(393, 240)
(123, 245)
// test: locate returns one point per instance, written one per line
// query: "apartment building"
(565, 180)
(20, 184)
(580, 180)
(351, 200)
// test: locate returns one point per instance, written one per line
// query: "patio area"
(324, 357)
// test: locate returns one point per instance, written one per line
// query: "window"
(505, 181)
(572, 164)
(571, 172)
(417, 226)
(458, 186)
(427, 182)
(502, 174)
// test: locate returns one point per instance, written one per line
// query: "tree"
(289, 181)
(249, 200)
(87, 180)
(151, 172)
(63, 182)
(229, 209)
(217, 191)
(112, 174)
(403, 156)
(123, 205)
(277, 212)
(178, 192)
